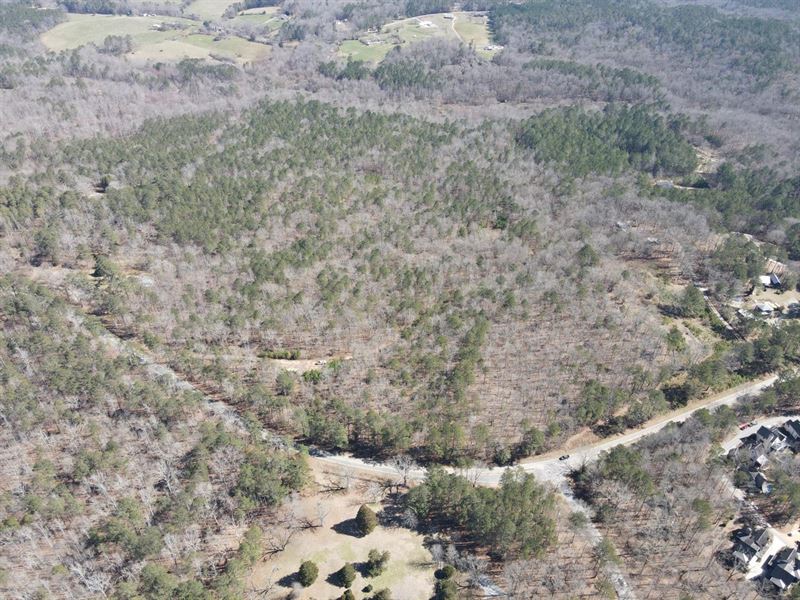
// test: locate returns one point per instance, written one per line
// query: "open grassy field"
(261, 16)
(470, 28)
(409, 574)
(369, 53)
(149, 42)
(208, 9)
(234, 47)
(79, 30)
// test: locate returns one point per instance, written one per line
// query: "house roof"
(792, 428)
(764, 433)
(783, 570)
(750, 542)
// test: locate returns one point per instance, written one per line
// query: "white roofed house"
(766, 308)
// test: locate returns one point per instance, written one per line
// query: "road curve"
(549, 467)
(546, 468)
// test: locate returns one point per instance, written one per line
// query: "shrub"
(308, 573)
(346, 575)
(383, 594)
(366, 519)
(445, 589)
(446, 572)
(376, 562)
(347, 595)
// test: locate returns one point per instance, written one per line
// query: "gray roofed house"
(750, 545)
(783, 569)
(791, 430)
(772, 437)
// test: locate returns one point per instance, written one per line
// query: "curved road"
(549, 467)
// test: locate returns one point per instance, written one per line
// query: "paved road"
(549, 467)
(546, 468)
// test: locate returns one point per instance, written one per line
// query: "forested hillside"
(246, 245)
(441, 245)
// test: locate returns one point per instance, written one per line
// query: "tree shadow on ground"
(348, 527)
(288, 581)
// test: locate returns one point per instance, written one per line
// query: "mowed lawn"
(409, 574)
(234, 47)
(208, 9)
(150, 43)
(358, 51)
(79, 30)
(470, 28)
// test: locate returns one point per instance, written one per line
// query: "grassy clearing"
(233, 47)
(261, 17)
(474, 29)
(79, 30)
(470, 28)
(359, 51)
(208, 9)
(149, 43)
(168, 51)
(264, 10)
(409, 574)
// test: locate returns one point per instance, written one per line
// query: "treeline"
(610, 141)
(613, 82)
(205, 472)
(100, 7)
(23, 20)
(515, 520)
(414, 8)
(758, 47)
(753, 201)
(668, 497)
(389, 75)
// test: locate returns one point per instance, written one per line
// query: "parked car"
(563, 457)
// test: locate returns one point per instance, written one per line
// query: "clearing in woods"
(261, 16)
(468, 27)
(208, 9)
(409, 574)
(154, 37)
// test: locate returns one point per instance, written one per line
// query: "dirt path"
(453, 27)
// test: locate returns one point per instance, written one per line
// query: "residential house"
(766, 308)
(772, 437)
(749, 546)
(791, 431)
(783, 569)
